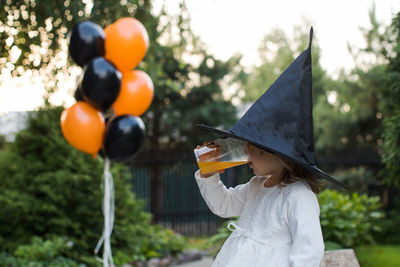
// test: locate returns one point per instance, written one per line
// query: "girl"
(279, 214)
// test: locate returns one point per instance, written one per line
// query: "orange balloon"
(83, 127)
(136, 94)
(126, 43)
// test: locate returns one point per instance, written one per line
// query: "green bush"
(50, 190)
(349, 220)
(163, 243)
(390, 233)
(40, 253)
(216, 241)
(42, 250)
(390, 228)
(391, 146)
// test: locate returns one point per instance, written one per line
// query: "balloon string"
(108, 212)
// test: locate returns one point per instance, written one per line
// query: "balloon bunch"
(109, 84)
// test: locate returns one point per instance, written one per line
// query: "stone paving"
(335, 258)
(203, 262)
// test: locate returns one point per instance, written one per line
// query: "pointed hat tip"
(311, 36)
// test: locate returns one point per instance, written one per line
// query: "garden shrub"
(51, 191)
(349, 220)
(216, 241)
(390, 233)
(390, 228)
(41, 253)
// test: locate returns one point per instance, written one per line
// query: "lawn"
(374, 256)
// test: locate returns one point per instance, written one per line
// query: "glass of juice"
(221, 154)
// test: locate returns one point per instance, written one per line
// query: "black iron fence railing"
(183, 208)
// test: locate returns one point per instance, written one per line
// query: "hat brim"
(312, 168)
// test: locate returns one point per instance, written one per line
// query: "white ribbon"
(236, 229)
(108, 212)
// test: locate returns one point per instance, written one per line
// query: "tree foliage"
(276, 52)
(391, 98)
(33, 35)
(189, 84)
(39, 28)
(355, 100)
(349, 118)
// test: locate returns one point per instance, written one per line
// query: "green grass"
(197, 243)
(374, 256)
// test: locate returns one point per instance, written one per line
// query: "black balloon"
(123, 138)
(78, 96)
(100, 84)
(101, 152)
(86, 42)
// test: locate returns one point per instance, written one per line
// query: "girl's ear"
(246, 149)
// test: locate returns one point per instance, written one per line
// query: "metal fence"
(183, 208)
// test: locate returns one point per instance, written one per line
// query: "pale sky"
(230, 26)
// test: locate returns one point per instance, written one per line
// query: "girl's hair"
(295, 172)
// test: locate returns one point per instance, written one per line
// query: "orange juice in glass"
(221, 154)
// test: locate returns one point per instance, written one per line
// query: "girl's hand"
(204, 158)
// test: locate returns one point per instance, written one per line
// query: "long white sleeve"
(222, 201)
(303, 217)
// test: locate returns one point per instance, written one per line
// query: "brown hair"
(294, 172)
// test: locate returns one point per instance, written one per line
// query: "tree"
(350, 115)
(276, 52)
(391, 113)
(34, 34)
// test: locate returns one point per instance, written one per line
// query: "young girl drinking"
(278, 208)
(279, 214)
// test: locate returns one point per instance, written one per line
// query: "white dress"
(278, 226)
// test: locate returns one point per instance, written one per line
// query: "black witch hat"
(281, 121)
